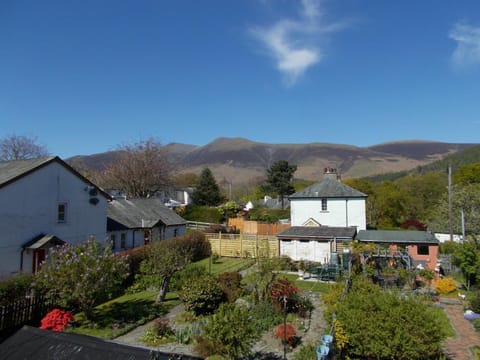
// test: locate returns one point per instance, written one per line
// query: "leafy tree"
(392, 205)
(167, 257)
(421, 193)
(279, 179)
(467, 258)
(466, 199)
(140, 169)
(79, 277)
(467, 174)
(231, 331)
(18, 147)
(207, 191)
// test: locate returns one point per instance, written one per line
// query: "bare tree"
(18, 147)
(140, 169)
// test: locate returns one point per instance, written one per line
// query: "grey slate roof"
(33, 343)
(152, 211)
(317, 232)
(11, 171)
(397, 236)
(328, 188)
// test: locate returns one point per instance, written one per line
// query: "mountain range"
(239, 160)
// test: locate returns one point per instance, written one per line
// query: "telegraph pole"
(450, 214)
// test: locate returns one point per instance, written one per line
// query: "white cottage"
(324, 217)
(136, 222)
(45, 202)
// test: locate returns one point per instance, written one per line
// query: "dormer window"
(324, 205)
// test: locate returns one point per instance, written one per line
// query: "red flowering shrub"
(56, 320)
(287, 333)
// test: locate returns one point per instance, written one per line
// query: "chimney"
(330, 173)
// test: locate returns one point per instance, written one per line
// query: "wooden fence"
(243, 245)
(27, 311)
(255, 227)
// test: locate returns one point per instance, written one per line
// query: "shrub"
(475, 303)
(199, 246)
(230, 332)
(192, 271)
(281, 289)
(15, 288)
(265, 315)
(80, 277)
(160, 332)
(134, 259)
(56, 320)
(287, 333)
(231, 282)
(306, 352)
(446, 285)
(203, 214)
(202, 295)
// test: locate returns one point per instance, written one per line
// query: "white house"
(45, 202)
(324, 217)
(136, 222)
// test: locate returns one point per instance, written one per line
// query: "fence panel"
(231, 245)
(27, 311)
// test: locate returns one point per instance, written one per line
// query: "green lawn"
(303, 285)
(225, 264)
(120, 315)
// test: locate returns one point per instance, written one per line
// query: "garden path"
(458, 347)
(267, 348)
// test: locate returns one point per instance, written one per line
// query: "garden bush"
(265, 315)
(202, 295)
(231, 284)
(203, 214)
(475, 302)
(15, 288)
(306, 352)
(81, 277)
(57, 320)
(192, 271)
(446, 285)
(159, 332)
(198, 244)
(286, 332)
(229, 332)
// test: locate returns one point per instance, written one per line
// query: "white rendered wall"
(340, 212)
(28, 207)
(315, 251)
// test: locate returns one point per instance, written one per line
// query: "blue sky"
(84, 76)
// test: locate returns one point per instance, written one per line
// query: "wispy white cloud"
(294, 43)
(467, 52)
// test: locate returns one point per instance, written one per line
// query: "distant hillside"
(470, 155)
(240, 160)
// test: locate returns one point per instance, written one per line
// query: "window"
(324, 205)
(123, 240)
(62, 212)
(423, 250)
(112, 241)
